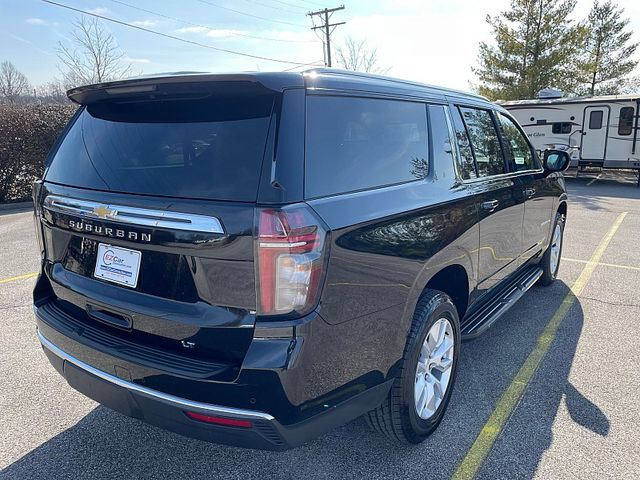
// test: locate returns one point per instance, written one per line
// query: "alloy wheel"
(433, 372)
(556, 244)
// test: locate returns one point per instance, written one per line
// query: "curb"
(16, 206)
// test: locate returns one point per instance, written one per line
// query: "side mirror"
(556, 160)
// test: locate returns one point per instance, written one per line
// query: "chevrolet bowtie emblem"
(103, 212)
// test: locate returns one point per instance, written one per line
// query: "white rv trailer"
(598, 131)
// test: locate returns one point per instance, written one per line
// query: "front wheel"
(550, 262)
(421, 392)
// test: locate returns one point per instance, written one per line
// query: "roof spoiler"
(183, 83)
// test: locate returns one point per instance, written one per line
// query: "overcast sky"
(433, 41)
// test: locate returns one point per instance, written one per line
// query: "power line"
(325, 15)
(266, 5)
(187, 22)
(312, 3)
(273, 7)
(251, 15)
(173, 37)
(288, 4)
(317, 62)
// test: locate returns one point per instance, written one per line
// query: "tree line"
(537, 44)
(31, 118)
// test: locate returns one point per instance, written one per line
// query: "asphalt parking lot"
(578, 416)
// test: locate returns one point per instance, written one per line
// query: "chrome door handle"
(529, 192)
(490, 205)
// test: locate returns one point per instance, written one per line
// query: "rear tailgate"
(147, 209)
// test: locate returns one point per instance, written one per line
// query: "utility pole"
(325, 15)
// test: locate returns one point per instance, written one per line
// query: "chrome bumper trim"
(133, 215)
(178, 402)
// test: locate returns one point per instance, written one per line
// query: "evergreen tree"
(608, 54)
(535, 42)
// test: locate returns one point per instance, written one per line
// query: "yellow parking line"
(482, 445)
(19, 277)
(603, 264)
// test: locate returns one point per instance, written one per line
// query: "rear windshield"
(206, 148)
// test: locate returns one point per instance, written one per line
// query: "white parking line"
(597, 178)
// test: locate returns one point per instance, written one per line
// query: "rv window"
(625, 126)
(484, 140)
(561, 127)
(518, 150)
(595, 120)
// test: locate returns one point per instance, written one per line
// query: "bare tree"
(93, 55)
(354, 55)
(13, 83)
(52, 92)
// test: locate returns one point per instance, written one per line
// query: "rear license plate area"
(117, 265)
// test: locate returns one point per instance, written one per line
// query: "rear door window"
(467, 164)
(440, 135)
(360, 143)
(484, 140)
(209, 148)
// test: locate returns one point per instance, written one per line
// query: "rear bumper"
(168, 411)
(164, 410)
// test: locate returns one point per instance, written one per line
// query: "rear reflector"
(228, 422)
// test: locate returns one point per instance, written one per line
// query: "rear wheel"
(550, 262)
(420, 394)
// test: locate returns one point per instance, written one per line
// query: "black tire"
(548, 273)
(397, 417)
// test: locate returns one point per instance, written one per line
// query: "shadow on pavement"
(105, 444)
(599, 195)
(10, 209)
(584, 412)
(590, 195)
(529, 433)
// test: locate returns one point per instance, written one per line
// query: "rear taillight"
(290, 251)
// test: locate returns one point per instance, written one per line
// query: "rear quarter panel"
(386, 245)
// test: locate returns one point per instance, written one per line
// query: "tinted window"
(561, 127)
(466, 163)
(359, 143)
(625, 127)
(210, 148)
(440, 137)
(517, 147)
(484, 140)
(595, 119)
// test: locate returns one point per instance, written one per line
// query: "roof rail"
(352, 73)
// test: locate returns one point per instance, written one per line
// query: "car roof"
(346, 79)
(314, 79)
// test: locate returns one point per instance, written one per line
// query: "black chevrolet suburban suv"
(254, 259)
